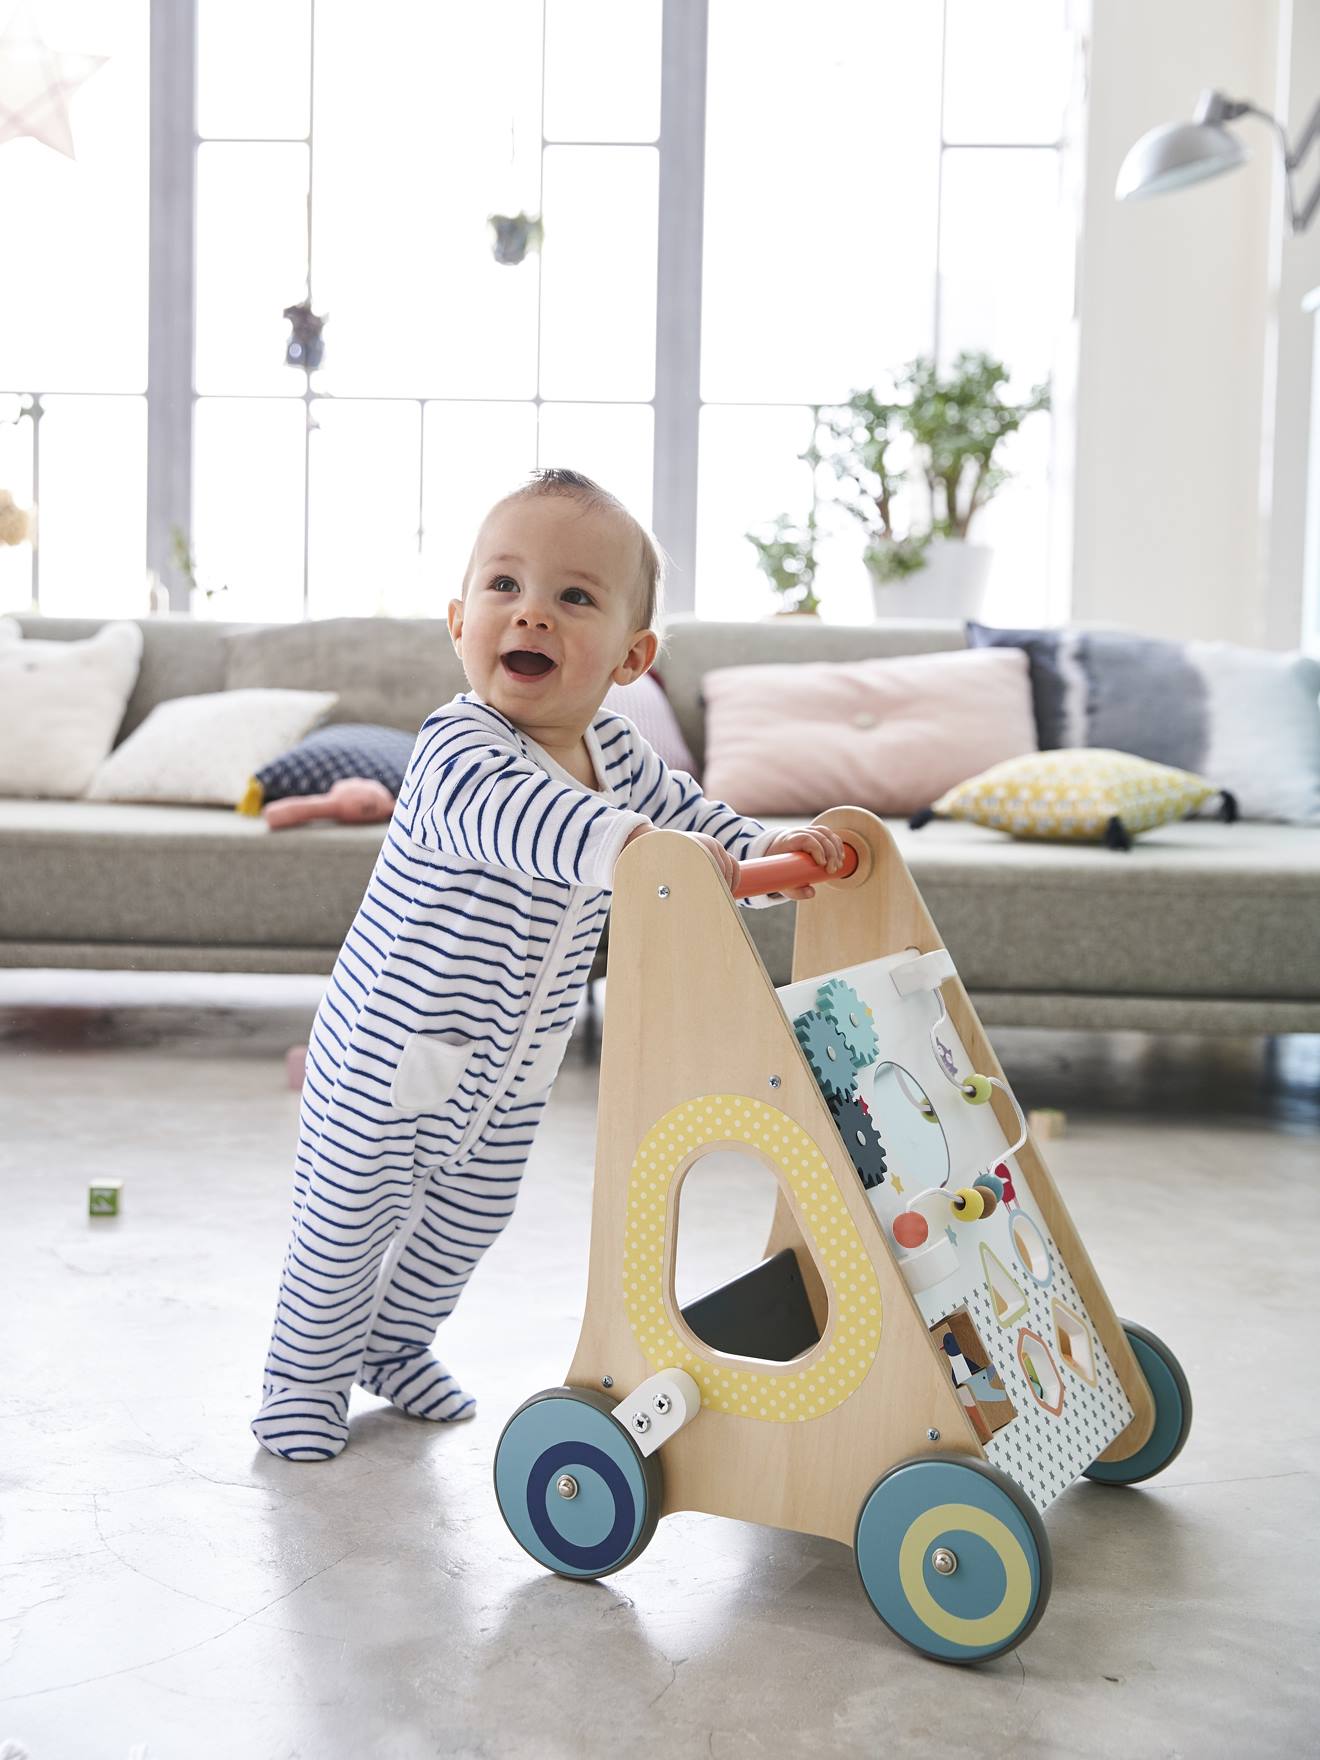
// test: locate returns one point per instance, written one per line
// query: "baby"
(454, 995)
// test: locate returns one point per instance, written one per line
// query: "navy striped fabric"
(435, 1047)
(330, 754)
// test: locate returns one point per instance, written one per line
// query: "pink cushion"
(645, 704)
(890, 735)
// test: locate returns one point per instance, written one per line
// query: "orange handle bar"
(796, 868)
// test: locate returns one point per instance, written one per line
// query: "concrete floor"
(170, 1592)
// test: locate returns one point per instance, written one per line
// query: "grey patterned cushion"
(1246, 719)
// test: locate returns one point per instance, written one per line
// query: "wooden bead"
(968, 1204)
(976, 1090)
(910, 1229)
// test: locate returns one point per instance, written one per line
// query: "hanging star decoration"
(36, 83)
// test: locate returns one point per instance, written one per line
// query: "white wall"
(1178, 347)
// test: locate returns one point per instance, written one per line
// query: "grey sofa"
(1202, 927)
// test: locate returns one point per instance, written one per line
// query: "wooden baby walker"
(924, 1359)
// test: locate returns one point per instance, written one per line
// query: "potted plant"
(952, 425)
(786, 555)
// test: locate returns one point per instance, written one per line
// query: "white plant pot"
(952, 584)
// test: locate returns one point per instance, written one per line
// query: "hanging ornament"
(305, 348)
(513, 235)
(36, 83)
(16, 524)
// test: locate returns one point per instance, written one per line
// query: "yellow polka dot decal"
(838, 1366)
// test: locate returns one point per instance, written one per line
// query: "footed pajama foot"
(302, 1423)
(420, 1386)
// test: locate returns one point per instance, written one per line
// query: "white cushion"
(202, 750)
(60, 706)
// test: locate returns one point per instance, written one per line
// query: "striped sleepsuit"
(435, 1047)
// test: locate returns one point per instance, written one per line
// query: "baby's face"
(548, 619)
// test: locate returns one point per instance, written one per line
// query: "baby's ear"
(455, 615)
(639, 659)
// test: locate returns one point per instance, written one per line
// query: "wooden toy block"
(103, 1197)
(889, 1375)
(1047, 1122)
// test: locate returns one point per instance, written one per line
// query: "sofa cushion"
(1197, 909)
(329, 755)
(889, 735)
(177, 876)
(1017, 917)
(203, 750)
(1086, 796)
(694, 646)
(60, 704)
(1245, 718)
(391, 671)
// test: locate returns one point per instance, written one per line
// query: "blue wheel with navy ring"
(953, 1557)
(1173, 1412)
(575, 1490)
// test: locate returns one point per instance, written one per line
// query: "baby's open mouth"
(527, 664)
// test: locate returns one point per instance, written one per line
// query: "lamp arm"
(1298, 218)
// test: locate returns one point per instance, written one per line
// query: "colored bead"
(976, 1090)
(968, 1204)
(910, 1229)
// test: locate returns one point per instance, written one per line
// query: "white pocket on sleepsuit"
(428, 1073)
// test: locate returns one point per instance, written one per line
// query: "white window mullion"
(171, 283)
(678, 304)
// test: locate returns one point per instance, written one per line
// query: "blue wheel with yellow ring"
(954, 1558)
(572, 1485)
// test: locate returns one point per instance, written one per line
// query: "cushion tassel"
(924, 817)
(1116, 835)
(1228, 807)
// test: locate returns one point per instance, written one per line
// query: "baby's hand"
(728, 864)
(826, 846)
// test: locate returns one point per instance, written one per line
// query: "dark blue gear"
(827, 1053)
(860, 1139)
(844, 1008)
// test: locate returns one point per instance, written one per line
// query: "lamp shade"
(1175, 155)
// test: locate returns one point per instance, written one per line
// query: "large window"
(885, 183)
(880, 177)
(73, 327)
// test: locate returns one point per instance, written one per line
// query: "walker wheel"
(1173, 1412)
(573, 1487)
(954, 1558)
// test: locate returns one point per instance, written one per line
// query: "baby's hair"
(555, 480)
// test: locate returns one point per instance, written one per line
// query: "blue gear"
(844, 1008)
(827, 1052)
(860, 1139)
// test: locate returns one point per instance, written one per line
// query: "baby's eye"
(583, 597)
(503, 580)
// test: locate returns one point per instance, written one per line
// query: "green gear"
(843, 1007)
(827, 1052)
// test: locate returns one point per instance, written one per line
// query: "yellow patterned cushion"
(1076, 795)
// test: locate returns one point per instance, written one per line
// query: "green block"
(103, 1197)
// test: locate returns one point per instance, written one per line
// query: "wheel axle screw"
(662, 1403)
(567, 1486)
(607, 1381)
(662, 892)
(641, 1423)
(944, 1561)
(932, 1436)
(776, 1081)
